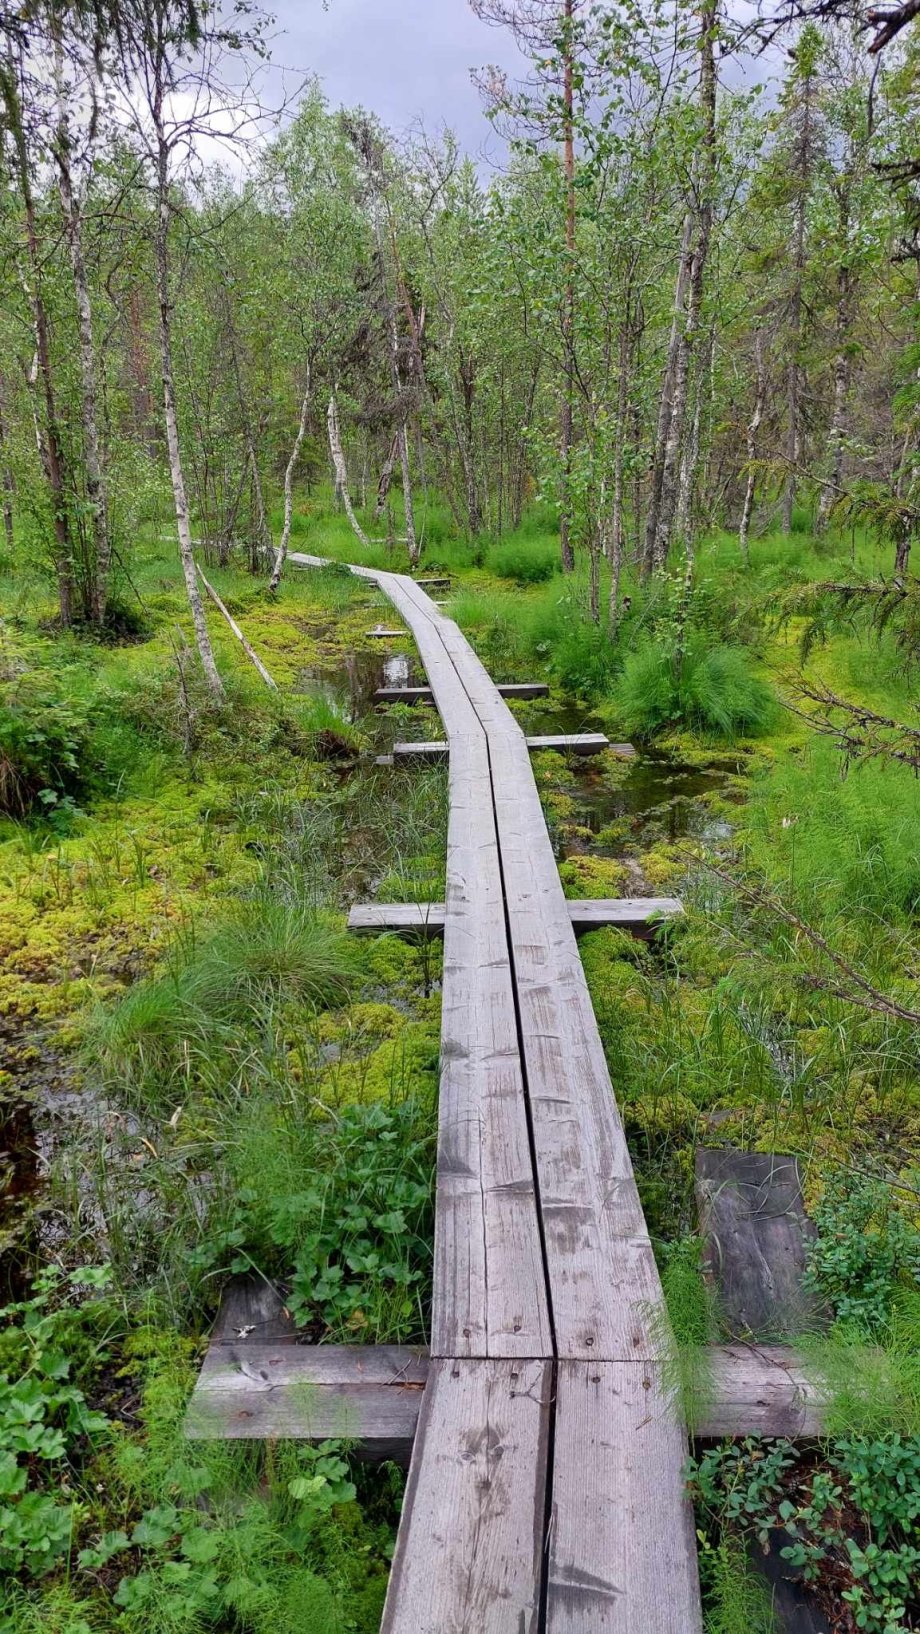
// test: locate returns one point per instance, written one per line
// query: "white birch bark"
(341, 469)
(281, 552)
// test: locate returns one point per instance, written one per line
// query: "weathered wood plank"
(250, 1388)
(469, 1552)
(754, 1224)
(760, 1390)
(622, 1545)
(566, 743)
(252, 1308)
(433, 584)
(489, 1283)
(604, 1284)
(383, 634)
(424, 695)
(626, 913)
(367, 1394)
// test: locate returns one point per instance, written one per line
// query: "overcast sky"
(402, 59)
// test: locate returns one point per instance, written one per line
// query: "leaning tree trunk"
(281, 552)
(176, 472)
(341, 470)
(753, 427)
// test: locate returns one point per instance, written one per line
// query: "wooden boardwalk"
(545, 1491)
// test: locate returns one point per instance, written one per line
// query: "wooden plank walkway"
(546, 1491)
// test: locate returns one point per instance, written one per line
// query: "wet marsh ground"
(177, 1109)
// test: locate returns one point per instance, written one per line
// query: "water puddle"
(653, 798)
(349, 685)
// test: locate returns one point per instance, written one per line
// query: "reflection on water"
(657, 798)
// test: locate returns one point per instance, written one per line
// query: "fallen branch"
(247, 648)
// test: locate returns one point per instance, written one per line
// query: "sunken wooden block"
(636, 914)
(424, 695)
(756, 1230)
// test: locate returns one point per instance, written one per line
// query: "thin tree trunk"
(177, 475)
(96, 589)
(666, 400)
(837, 429)
(386, 477)
(9, 486)
(688, 334)
(49, 437)
(616, 536)
(411, 539)
(263, 540)
(341, 470)
(751, 446)
(568, 309)
(793, 378)
(281, 552)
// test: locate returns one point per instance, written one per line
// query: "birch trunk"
(341, 470)
(751, 447)
(176, 473)
(281, 552)
(568, 311)
(47, 428)
(666, 400)
(96, 589)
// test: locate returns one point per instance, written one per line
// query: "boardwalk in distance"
(546, 1488)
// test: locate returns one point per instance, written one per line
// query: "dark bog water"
(656, 797)
(351, 684)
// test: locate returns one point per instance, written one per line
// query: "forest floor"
(202, 1074)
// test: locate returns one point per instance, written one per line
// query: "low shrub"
(710, 690)
(44, 752)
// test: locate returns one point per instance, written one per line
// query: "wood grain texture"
(367, 1394)
(622, 1545)
(756, 1233)
(572, 743)
(469, 1552)
(253, 1309)
(760, 1390)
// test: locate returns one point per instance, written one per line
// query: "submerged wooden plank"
(622, 1545)
(756, 1231)
(626, 913)
(469, 1552)
(367, 1394)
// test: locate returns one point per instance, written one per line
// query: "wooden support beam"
(424, 695)
(635, 914)
(253, 1389)
(571, 743)
(433, 584)
(383, 634)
